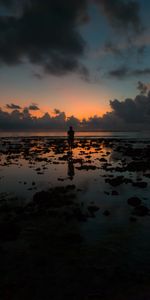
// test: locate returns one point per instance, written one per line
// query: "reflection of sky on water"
(31, 165)
(19, 170)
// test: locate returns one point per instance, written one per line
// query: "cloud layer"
(130, 114)
(124, 72)
(123, 15)
(45, 33)
(13, 106)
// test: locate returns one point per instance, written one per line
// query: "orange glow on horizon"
(85, 103)
(79, 111)
(78, 102)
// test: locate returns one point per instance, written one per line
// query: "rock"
(141, 211)
(138, 166)
(107, 193)
(71, 187)
(87, 167)
(115, 181)
(79, 215)
(88, 156)
(41, 197)
(38, 169)
(103, 159)
(127, 180)
(147, 175)
(114, 193)
(133, 219)
(55, 198)
(106, 213)
(134, 201)
(141, 184)
(93, 208)
(9, 231)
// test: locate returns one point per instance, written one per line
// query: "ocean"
(80, 134)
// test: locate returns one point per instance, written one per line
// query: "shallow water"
(29, 165)
(114, 254)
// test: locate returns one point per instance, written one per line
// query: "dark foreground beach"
(74, 224)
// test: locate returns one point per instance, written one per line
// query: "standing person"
(70, 136)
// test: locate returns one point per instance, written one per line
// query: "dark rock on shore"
(115, 181)
(106, 213)
(114, 193)
(134, 201)
(133, 219)
(9, 231)
(41, 197)
(134, 166)
(57, 197)
(103, 159)
(79, 215)
(87, 167)
(140, 184)
(141, 211)
(93, 208)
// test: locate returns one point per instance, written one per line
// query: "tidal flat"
(74, 223)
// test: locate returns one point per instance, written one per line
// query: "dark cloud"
(124, 72)
(122, 14)
(26, 114)
(56, 111)
(126, 110)
(142, 87)
(125, 49)
(73, 121)
(7, 3)
(133, 111)
(13, 106)
(38, 76)
(111, 48)
(46, 34)
(33, 106)
(125, 17)
(140, 72)
(119, 73)
(141, 50)
(130, 114)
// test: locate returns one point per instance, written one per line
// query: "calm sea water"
(30, 165)
(62, 134)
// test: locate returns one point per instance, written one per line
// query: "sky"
(74, 62)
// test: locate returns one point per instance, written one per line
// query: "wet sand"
(74, 224)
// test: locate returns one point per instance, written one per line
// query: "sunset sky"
(72, 55)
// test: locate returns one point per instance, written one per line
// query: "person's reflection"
(70, 137)
(70, 166)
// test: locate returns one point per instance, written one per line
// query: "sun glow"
(80, 102)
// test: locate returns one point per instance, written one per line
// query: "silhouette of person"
(70, 136)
